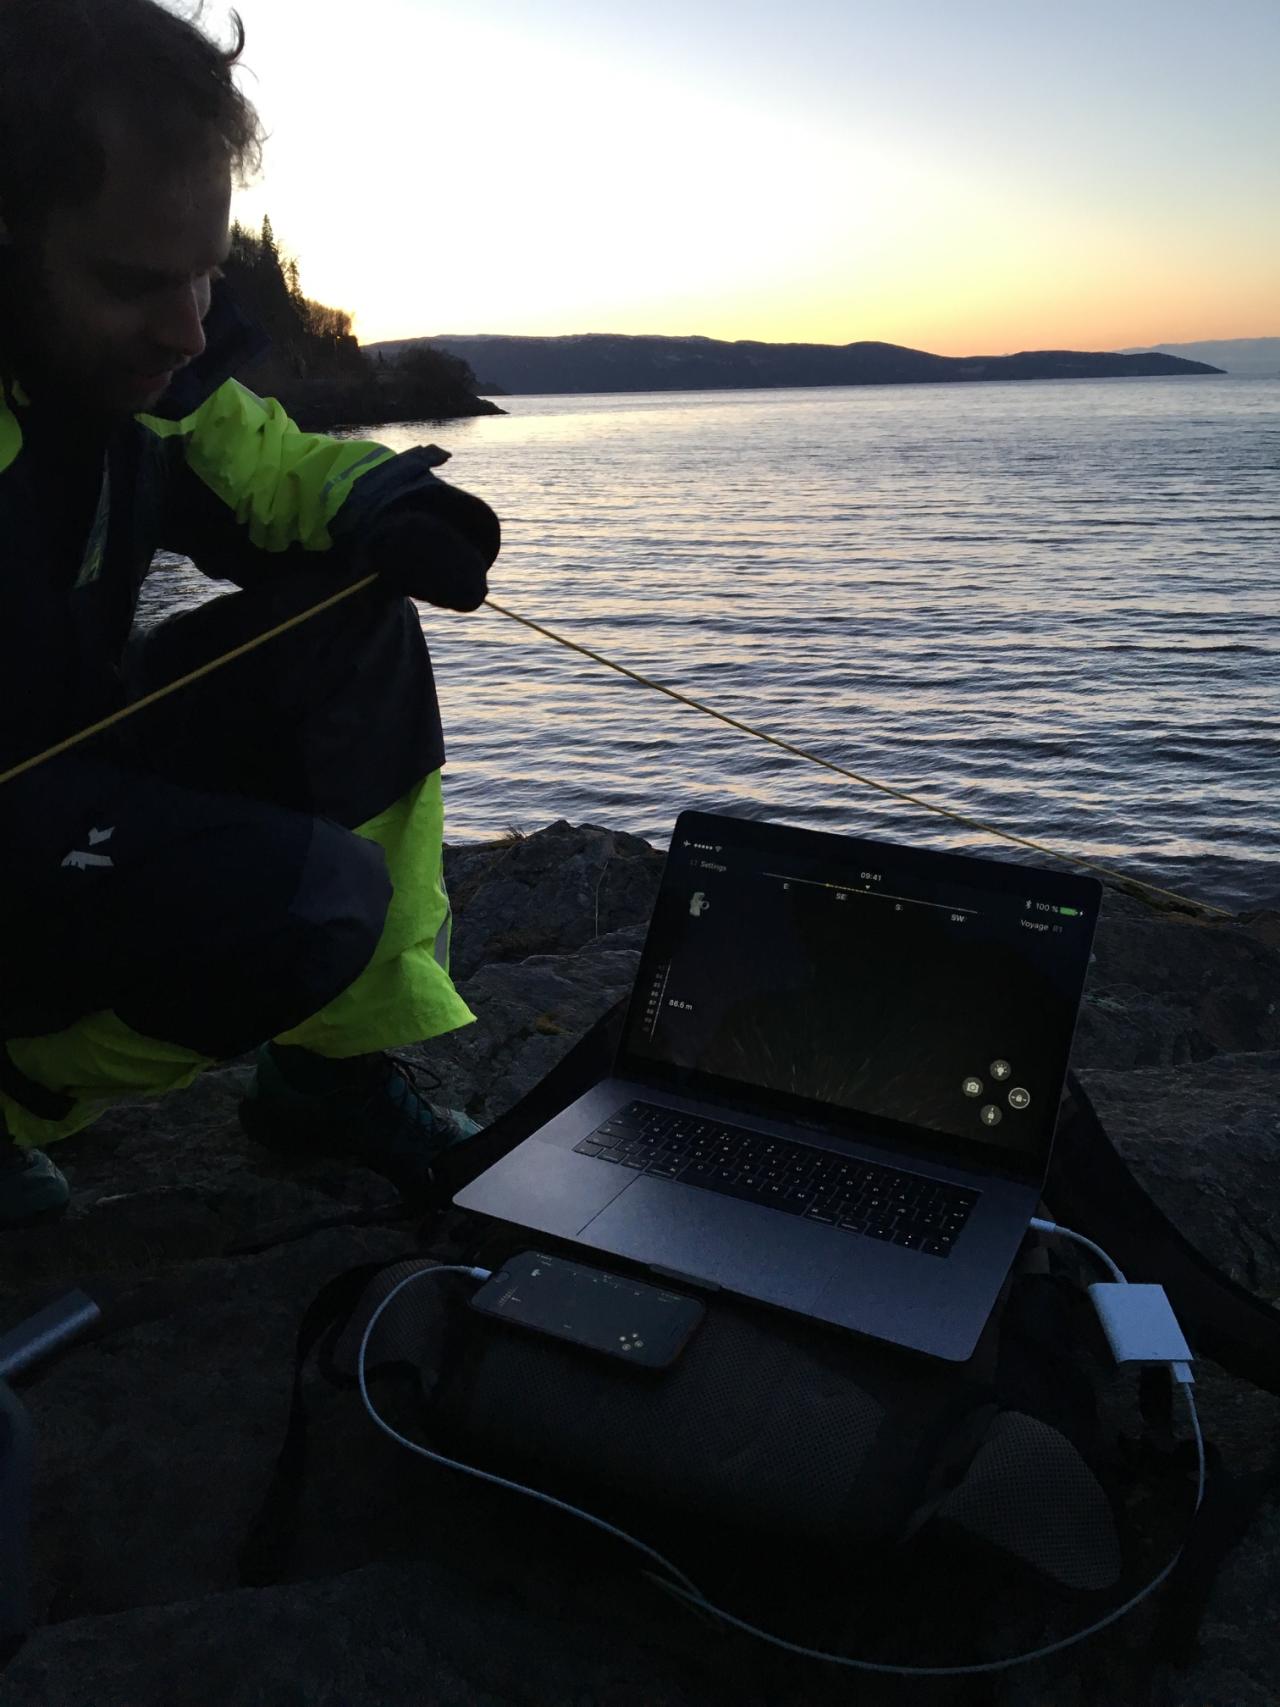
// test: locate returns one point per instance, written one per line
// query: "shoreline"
(1135, 888)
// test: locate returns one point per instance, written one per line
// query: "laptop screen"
(894, 991)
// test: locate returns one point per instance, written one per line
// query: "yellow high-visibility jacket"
(213, 472)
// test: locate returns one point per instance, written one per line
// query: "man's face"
(112, 294)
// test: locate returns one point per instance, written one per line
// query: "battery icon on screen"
(1070, 912)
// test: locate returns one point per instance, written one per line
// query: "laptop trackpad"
(739, 1246)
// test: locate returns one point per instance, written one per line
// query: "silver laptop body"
(837, 1084)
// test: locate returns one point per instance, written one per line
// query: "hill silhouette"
(1248, 358)
(316, 367)
(599, 361)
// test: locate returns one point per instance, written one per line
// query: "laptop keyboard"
(860, 1197)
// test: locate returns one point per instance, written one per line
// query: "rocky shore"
(157, 1439)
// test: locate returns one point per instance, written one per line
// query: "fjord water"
(1054, 606)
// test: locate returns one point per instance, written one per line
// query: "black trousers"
(195, 869)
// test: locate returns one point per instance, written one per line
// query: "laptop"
(837, 1081)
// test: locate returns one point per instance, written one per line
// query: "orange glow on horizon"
(557, 202)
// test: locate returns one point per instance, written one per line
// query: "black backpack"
(828, 1488)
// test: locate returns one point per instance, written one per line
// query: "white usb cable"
(1131, 1329)
(680, 1584)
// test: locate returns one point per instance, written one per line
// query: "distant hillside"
(1249, 358)
(599, 361)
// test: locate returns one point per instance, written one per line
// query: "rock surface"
(157, 1439)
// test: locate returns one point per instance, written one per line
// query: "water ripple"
(1049, 606)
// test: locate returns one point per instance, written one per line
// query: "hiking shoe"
(32, 1189)
(374, 1113)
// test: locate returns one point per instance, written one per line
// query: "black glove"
(436, 545)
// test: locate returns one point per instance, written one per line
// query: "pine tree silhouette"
(315, 366)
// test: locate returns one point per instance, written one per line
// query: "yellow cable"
(866, 781)
(137, 705)
(979, 824)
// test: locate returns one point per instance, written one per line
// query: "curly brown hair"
(63, 63)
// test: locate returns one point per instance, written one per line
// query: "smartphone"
(627, 1319)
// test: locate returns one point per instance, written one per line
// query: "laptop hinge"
(684, 1279)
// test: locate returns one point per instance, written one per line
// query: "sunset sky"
(968, 177)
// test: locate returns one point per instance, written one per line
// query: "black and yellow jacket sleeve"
(216, 473)
(245, 489)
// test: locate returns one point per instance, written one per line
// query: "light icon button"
(1000, 1070)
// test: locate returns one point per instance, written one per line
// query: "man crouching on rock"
(256, 861)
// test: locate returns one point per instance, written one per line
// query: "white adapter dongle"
(1139, 1324)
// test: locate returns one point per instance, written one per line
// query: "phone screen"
(610, 1313)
